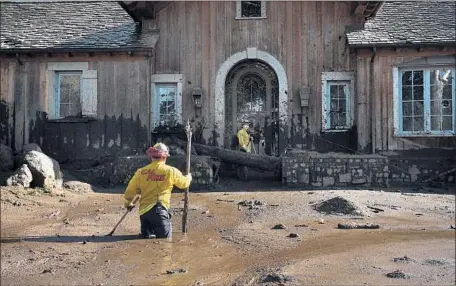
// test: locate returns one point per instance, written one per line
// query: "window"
(166, 104)
(425, 104)
(166, 100)
(337, 103)
(68, 95)
(250, 9)
(72, 90)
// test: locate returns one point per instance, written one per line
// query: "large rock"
(6, 158)
(19, 159)
(22, 177)
(46, 171)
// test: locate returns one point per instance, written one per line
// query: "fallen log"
(263, 162)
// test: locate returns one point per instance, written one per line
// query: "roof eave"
(75, 50)
(404, 45)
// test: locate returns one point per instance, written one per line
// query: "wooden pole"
(188, 131)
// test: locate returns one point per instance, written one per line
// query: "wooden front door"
(252, 94)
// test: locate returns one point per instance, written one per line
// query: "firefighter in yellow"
(155, 182)
(244, 138)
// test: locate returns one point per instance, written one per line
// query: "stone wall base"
(303, 168)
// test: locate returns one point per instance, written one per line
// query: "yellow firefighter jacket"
(244, 139)
(155, 181)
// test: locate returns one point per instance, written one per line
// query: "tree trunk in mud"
(262, 162)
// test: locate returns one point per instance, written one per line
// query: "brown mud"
(57, 238)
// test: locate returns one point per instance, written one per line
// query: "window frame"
(57, 96)
(239, 12)
(165, 79)
(332, 78)
(88, 96)
(397, 97)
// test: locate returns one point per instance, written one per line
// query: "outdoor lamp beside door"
(197, 95)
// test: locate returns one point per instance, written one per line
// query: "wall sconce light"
(304, 95)
(197, 95)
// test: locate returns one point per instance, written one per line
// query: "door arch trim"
(250, 53)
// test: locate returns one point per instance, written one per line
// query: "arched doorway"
(252, 94)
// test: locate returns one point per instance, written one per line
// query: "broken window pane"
(447, 107)
(418, 123)
(250, 9)
(407, 124)
(338, 105)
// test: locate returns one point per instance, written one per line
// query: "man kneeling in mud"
(155, 182)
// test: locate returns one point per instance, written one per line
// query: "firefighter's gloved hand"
(189, 176)
(130, 207)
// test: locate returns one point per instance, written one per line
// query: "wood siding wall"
(382, 121)
(122, 119)
(307, 38)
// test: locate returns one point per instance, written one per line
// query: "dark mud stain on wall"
(81, 139)
(4, 126)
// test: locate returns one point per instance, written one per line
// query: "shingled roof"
(69, 26)
(408, 23)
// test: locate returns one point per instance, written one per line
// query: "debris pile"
(253, 204)
(357, 226)
(398, 274)
(404, 259)
(338, 205)
(276, 278)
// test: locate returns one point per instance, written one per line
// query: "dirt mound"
(338, 205)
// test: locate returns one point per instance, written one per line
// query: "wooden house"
(359, 76)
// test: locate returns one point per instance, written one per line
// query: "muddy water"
(322, 256)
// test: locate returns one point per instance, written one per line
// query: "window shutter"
(89, 93)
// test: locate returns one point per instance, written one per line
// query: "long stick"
(125, 214)
(188, 131)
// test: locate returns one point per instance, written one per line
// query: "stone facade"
(334, 169)
(416, 170)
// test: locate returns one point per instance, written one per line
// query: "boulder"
(6, 158)
(46, 171)
(22, 177)
(19, 158)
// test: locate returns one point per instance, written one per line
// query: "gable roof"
(405, 23)
(69, 26)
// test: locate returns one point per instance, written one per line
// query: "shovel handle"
(135, 200)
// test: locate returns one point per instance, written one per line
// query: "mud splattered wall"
(382, 121)
(121, 123)
(307, 38)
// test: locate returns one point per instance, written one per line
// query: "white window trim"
(164, 79)
(239, 12)
(337, 76)
(89, 87)
(425, 64)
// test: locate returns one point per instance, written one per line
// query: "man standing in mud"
(155, 182)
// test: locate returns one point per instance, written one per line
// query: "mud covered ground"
(57, 238)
